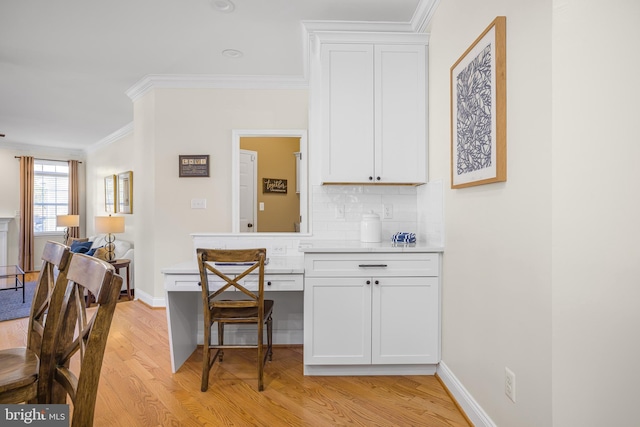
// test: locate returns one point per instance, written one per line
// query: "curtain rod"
(49, 160)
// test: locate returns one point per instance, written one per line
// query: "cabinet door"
(347, 112)
(400, 114)
(405, 320)
(337, 321)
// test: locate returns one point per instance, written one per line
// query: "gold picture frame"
(479, 110)
(110, 185)
(125, 192)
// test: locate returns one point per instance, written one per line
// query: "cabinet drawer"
(189, 282)
(276, 282)
(371, 264)
(272, 282)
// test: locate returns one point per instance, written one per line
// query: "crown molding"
(210, 81)
(119, 134)
(44, 150)
(357, 26)
(423, 15)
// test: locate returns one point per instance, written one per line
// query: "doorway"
(280, 202)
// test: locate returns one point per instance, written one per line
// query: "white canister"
(370, 228)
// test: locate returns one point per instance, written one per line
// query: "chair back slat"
(55, 258)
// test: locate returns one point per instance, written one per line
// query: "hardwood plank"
(137, 387)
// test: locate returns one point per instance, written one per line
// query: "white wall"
(596, 206)
(104, 161)
(498, 253)
(170, 122)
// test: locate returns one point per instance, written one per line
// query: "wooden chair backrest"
(55, 259)
(253, 259)
(80, 334)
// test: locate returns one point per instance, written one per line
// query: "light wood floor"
(137, 387)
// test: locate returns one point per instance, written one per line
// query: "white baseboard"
(149, 300)
(471, 408)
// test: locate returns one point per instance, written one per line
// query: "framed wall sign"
(479, 110)
(274, 185)
(193, 165)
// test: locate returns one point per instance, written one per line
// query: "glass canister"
(370, 228)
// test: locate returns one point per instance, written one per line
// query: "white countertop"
(338, 246)
(276, 265)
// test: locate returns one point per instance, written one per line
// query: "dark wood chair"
(19, 367)
(251, 309)
(71, 358)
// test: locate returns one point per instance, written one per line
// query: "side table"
(123, 263)
(13, 272)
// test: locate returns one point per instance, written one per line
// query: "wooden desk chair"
(19, 366)
(253, 309)
(72, 357)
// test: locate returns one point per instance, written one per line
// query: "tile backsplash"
(337, 209)
(336, 213)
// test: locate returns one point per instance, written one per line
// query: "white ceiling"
(66, 65)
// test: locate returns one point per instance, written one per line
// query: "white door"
(347, 112)
(248, 191)
(400, 113)
(337, 321)
(405, 320)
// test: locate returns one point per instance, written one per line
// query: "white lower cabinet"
(372, 309)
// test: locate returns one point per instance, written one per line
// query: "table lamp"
(67, 221)
(109, 225)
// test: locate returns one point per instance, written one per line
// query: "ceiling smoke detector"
(232, 53)
(224, 6)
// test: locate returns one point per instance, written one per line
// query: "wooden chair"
(19, 367)
(72, 357)
(252, 309)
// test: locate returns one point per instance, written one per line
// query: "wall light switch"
(261, 206)
(198, 203)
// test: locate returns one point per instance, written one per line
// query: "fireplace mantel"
(4, 228)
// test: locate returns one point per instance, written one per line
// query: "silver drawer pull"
(372, 265)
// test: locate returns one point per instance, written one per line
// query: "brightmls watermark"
(34, 415)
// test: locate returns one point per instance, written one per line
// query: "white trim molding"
(471, 408)
(120, 133)
(211, 81)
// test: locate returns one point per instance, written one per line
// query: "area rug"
(11, 305)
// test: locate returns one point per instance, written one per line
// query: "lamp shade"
(109, 224)
(68, 220)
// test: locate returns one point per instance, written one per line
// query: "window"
(51, 194)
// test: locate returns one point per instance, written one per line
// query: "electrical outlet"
(387, 211)
(510, 384)
(279, 250)
(339, 211)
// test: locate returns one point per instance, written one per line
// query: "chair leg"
(206, 364)
(270, 338)
(221, 339)
(260, 358)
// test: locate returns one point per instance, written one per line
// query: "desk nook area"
(356, 308)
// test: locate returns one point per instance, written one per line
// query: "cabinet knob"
(377, 282)
(370, 178)
(377, 178)
(269, 283)
(368, 282)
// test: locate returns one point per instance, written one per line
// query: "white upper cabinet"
(372, 101)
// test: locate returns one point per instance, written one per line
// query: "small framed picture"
(193, 166)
